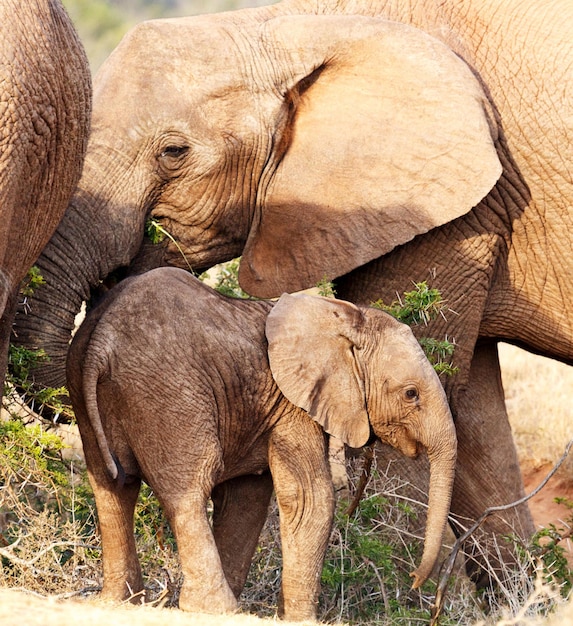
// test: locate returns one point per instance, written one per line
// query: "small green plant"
(33, 280)
(545, 546)
(439, 353)
(21, 362)
(226, 279)
(156, 233)
(326, 288)
(419, 306)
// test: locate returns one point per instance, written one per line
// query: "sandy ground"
(23, 609)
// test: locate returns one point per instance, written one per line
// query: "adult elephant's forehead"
(163, 65)
(191, 48)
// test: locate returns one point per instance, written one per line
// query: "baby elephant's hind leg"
(240, 509)
(115, 506)
(184, 500)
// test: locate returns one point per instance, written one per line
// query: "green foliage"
(439, 354)
(32, 281)
(365, 578)
(545, 546)
(27, 450)
(154, 231)
(226, 279)
(21, 360)
(326, 289)
(420, 306)
(48, 522)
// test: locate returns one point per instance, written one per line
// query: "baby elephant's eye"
(411, 393)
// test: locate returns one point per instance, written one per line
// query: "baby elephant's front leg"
(298, 458)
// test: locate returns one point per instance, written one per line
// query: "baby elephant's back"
(167, 319)
(172, 305)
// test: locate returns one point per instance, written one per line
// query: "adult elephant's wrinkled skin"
(45, 101)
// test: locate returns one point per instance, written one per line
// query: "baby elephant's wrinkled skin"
(205, 396)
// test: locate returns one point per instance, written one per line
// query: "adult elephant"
(315, 141)
(45, 101)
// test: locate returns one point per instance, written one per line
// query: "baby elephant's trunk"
(441, 447)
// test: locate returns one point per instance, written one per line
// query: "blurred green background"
(102, 23)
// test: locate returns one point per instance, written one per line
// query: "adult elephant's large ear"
(389, 134)
(311, 354)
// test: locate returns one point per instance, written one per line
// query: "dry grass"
(538, 397)
(19, 609)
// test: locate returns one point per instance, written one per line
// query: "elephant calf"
(200, 395)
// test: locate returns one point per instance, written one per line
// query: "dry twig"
(449, 564)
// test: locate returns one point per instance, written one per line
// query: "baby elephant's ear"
(312, 359)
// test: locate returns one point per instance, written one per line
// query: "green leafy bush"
(225, 279)
(420, 306)
(546, 548)
(47, 529)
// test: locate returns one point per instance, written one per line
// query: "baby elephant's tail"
(94, 368)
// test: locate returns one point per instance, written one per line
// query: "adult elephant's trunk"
(91, 241)
(441, 447)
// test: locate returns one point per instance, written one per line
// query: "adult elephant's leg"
(6, 322)
(488, 472)
(240, 509)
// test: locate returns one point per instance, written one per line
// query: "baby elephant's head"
(358, 372)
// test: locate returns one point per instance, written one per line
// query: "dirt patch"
(544, 508)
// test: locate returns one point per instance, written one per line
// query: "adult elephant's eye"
(174, 152)
(411, 394)
(171, 159)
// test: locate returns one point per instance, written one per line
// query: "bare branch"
(449, 564)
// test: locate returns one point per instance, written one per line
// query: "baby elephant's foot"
(126, 586)
(199, 598)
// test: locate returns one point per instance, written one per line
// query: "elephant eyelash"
(174, 151)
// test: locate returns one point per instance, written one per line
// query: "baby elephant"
(200, 395)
